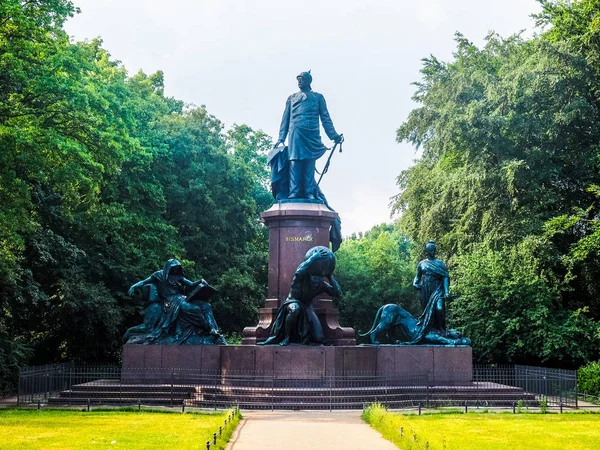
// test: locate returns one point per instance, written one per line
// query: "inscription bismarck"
(298, 239)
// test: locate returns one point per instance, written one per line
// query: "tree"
(103, 179)
(506, 185)
(375, 270)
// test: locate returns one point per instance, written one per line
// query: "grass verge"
(111, 429)
(574, 431)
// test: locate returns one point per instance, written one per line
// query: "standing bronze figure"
(300, 123)
(433, 283)
(296, 321)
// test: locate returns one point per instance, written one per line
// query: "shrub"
(588, 378)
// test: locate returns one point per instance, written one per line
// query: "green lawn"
(573, 431)
(63, 429)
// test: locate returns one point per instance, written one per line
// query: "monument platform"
(294, 377)
(445, 365)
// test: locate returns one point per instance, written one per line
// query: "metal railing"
(508, 386)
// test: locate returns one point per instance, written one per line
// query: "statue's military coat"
(301, 121)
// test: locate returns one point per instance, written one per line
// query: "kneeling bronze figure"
(296, 321)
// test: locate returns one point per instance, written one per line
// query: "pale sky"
(240, 59)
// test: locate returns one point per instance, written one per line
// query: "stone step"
(364, 390)
(115, 386)
(114, 392)
(368, 398)
(116, 400)
(132, 394)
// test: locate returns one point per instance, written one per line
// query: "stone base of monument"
(328, 316)
(294, 377)
(395, 364)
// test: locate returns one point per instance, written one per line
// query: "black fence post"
(172, 382)
(576, 394)
(70, 383)
(47, 387)
(420, 408)
(19, 387)
(330, 393)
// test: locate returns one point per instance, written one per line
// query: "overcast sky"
(240, 59)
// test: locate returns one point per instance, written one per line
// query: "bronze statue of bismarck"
(293, 167)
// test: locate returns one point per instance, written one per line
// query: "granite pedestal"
(429, 364)
(294, 228)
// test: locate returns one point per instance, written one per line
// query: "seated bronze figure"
(171, 316)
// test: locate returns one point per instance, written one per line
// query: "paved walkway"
(292, 430)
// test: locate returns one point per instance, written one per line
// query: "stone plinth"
(294, 228)
(426, 364)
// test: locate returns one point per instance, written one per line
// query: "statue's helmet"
(306, 75)
(431, 245)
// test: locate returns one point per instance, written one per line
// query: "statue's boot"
(302, 179)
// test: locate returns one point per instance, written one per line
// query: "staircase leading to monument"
(482, 394)
(111, 392)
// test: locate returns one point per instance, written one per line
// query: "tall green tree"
(509, 136)
(103, 178)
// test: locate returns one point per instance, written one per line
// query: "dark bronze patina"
(296, 321)
(171, 316)
(293, 166)
(432, 282)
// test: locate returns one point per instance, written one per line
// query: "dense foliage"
(103, 179)
(508, 185)
(588, 379)
(374, 270)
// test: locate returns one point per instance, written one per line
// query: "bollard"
(215, 438)
(401, 431)
(466, 408)
(420, 408)
(220, 430)
(514, 408)
(561, 407)
(88, 405)
(207, 445)
(139, 404)
(39, 404)
(182, 407)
